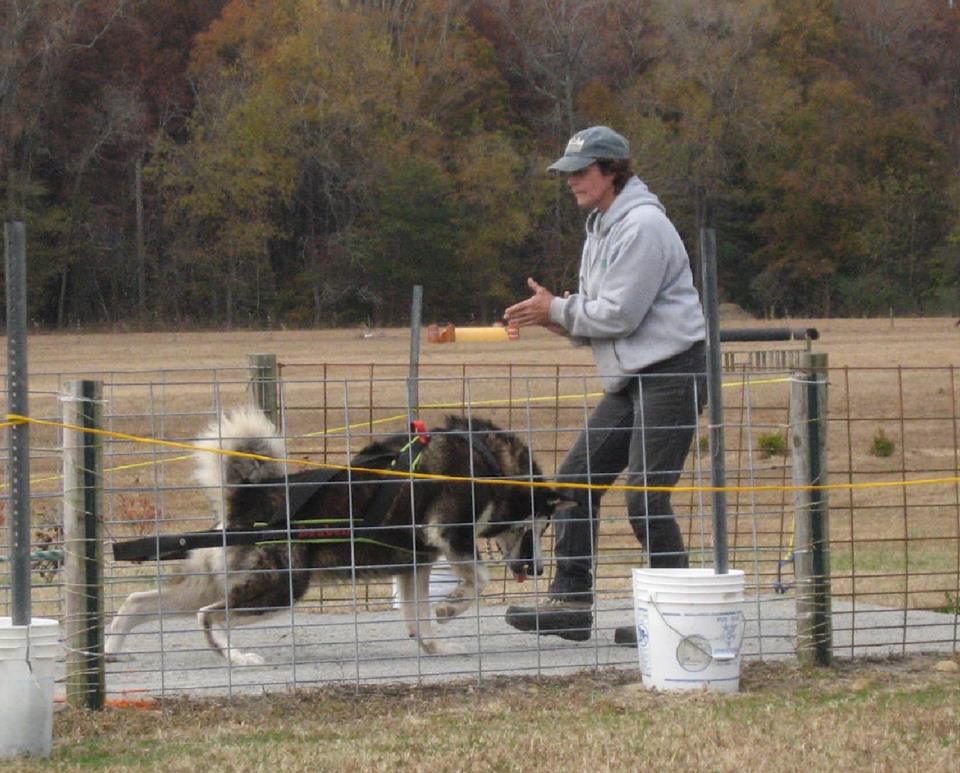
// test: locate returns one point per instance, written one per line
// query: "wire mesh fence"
(894, 467)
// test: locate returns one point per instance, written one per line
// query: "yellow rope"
(17, 419)
(499, 401)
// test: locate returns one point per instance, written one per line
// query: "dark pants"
(646, 429)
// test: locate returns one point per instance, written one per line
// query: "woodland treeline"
(306, 162)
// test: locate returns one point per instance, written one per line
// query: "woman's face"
(592, 188)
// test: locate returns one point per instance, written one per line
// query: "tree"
(408, 237)
(86, 85)
(332, 146)
(849, 214)
(495, 217)
(40, 181)
(552, 51)
(251, 161)
(708, 102)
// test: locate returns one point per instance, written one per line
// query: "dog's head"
(519, 544)
(517, 512)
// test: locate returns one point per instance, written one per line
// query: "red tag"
(419, 426)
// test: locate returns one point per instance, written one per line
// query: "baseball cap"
(587, 146)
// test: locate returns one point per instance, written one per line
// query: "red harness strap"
(419, 427)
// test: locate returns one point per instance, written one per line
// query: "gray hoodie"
(637, 305)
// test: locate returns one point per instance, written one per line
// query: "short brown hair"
(619, 168)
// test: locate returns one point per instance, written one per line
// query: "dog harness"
(167, 547)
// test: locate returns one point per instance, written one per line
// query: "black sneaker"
(570, 620)
(626, 636)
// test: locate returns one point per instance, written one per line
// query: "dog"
(362, 524)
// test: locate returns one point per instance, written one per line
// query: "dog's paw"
(446, 612)
(435, 647)
(117, 657)
(246, 659)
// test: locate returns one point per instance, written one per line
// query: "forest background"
(250, 163)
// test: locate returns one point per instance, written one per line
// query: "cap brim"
(570, 164)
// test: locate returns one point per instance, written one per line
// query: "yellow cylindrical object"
(478, 334)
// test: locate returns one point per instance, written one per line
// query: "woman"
(638, 309)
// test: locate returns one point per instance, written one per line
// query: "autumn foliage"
(305, 162)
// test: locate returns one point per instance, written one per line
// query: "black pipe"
(743, 334)
(171, 547)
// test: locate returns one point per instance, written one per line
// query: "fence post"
(808, 411)
(265, 384)
(83, 547)
(718, 468)
(15, 261)
(413, 377)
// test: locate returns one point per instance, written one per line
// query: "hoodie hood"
(634, 194)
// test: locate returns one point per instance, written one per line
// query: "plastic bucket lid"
(44, 638)
(38, 625)
(688, 579)
(44, 633)
(690, 576)
(688, 586)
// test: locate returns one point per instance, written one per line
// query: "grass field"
(898, 545)
(878, 716)
(859, 343)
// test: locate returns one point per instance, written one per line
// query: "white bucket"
(27, 658)
(443, 580)
(689, 628)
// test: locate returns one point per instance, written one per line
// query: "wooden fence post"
(83, 547)
(808, 411)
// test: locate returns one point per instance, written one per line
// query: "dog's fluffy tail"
(251, 450)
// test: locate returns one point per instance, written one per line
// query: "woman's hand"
(535, 310)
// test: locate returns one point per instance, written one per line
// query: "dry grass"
(880, 715)
(855, 343)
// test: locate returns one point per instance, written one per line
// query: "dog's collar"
(418, 429)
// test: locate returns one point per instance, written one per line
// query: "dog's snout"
(526, 558)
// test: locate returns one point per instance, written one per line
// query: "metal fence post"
(718, 469)
(265, 384)
(15, 252)
(808, 411)
(83, 547)
(413, 378)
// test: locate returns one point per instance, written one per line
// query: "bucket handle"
(725, 655)
(720, 655)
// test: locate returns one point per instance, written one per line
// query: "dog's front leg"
(473, 579)
(139, 608)
(414, 597)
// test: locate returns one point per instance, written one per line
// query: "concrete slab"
(306, 649)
